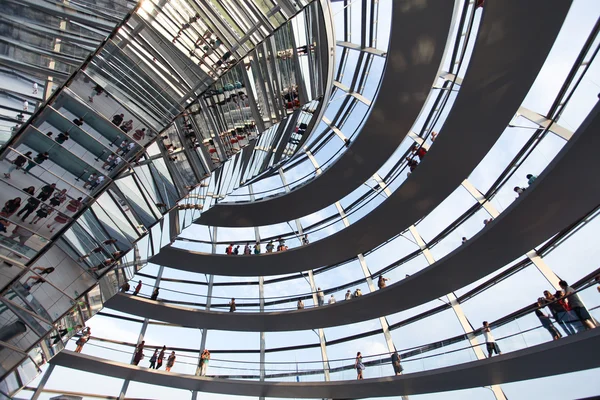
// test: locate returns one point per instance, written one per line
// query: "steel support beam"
(42, 384)
(368, 50)
(550, 276)
(458, 311)
(313, 289)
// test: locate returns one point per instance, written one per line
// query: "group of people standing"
(281, 246)
(566, 309)
(49, 193)
(158, 357)
(156, 361)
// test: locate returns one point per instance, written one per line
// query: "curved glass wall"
(522, 149)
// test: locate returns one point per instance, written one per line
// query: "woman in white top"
(490, 342)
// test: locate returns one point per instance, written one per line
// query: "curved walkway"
(569, 354)
(513, 42)
(417, 44)
(559, 196)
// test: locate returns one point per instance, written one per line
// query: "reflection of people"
(39, 159)
(90, 180)
(96, 91)
(74, 205)
(62, 332)
(46, 192)
(18, 163)
(43, 271)
(97, 182)
(37, 280)
(59, 198)
(41, 213)
(85, 336)
(60, 219)
(22, 233)
(10, 207)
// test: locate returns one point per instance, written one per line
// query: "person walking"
(18, 163)
(381, 282)
(35, 88)
(348, 295)
(161, 357)
(257, 248)
(300, 305)
(396, 363)
(154, 294)
(137, 288)
(247, 250)
(490, 342)
(204, 359)
(360, 367)
(41, 213)
(139, 353)
(530, 179)
(576, 305)
(153, 359)
(170, 361)
(331, 300)
(270, 246)
(320, 297)
(95, 91)
(232, 305)
(546, 322)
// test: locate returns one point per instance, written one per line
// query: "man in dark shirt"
(118, 119)
(40, 158)
(46, 192)
(396, 363)
(32, 204)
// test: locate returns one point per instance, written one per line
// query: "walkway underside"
(559, 197)
(417, 42)
(504, 65)
(566, 355)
